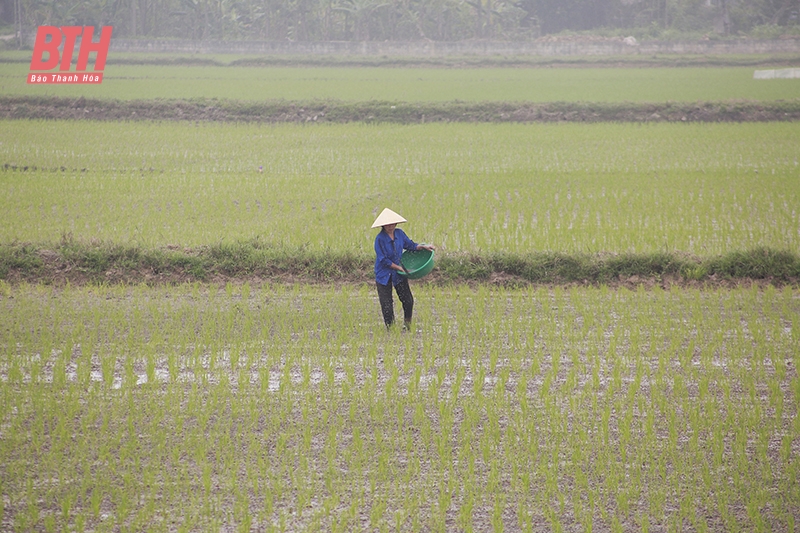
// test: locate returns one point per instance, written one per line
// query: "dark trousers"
(387, 304)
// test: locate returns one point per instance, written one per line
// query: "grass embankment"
(97, 262)
(334, 111)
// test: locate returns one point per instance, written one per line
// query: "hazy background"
(407, 20)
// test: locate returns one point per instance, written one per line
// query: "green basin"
(418, 263)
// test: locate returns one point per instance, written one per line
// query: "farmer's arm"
(408, 244)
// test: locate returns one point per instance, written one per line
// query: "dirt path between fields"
(282, 111)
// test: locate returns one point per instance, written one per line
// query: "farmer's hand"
(428, 247)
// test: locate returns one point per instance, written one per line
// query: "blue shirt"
(388, 251)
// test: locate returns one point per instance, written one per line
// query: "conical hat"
(387, 216)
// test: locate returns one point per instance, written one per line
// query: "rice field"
(698, 188)
(289, 408)
(693, 84)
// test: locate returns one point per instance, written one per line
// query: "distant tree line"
(403, 20)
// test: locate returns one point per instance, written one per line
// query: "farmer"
(389, 246)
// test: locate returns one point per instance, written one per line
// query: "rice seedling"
(289, 407)
(699, 189)
(581, 408)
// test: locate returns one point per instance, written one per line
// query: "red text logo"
(48, 41)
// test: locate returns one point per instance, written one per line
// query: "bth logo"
(48, 40)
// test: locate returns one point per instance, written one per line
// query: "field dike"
(74, 262)
(334, 111)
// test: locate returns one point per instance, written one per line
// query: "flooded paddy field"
(290, 407)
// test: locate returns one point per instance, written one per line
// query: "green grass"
(703, 189)
(76, 262)
(678, 84)
(290, 407)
